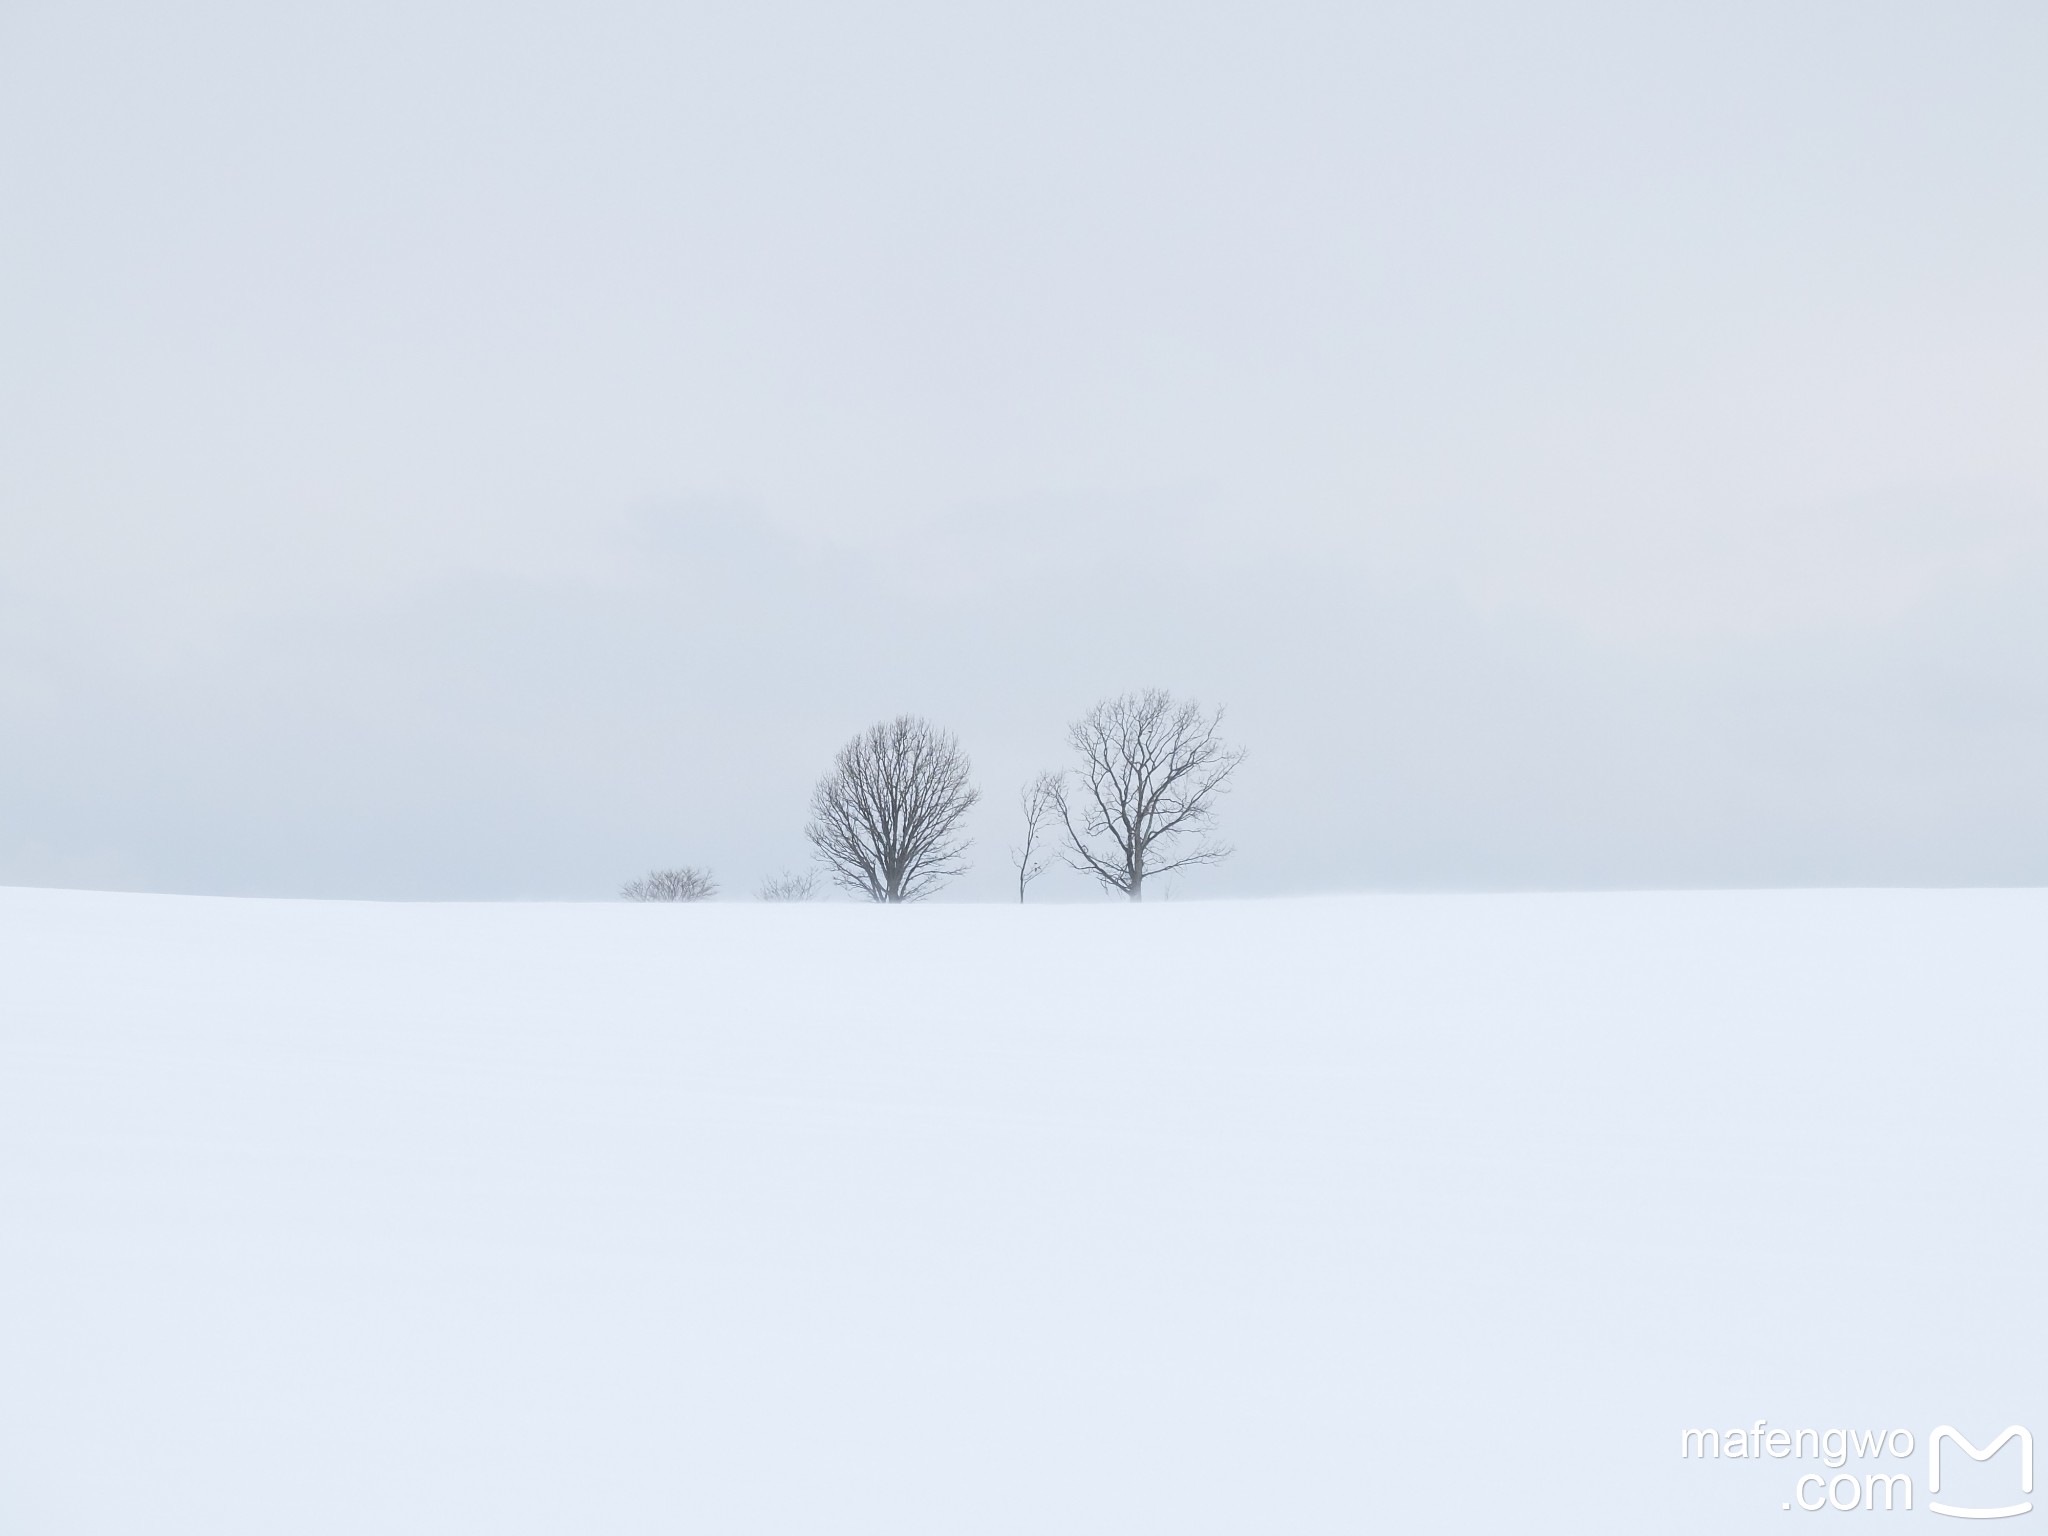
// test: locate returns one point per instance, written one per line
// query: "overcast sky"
(486, 450)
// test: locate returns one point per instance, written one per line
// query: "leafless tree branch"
(1039, 801)
(886, 820)
(1150, 773)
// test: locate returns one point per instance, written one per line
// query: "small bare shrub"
(789, 887)
(684, 884)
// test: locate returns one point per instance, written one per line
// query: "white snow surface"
(1403, 1213)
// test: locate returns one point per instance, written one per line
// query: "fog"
(455, 451)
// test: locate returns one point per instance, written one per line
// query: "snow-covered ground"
(1413, 1214)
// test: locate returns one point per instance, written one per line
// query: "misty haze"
(453, 452)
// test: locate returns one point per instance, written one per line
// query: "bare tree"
(789, 887)
(1039, 801)
(683, 884)
(886, 821)
(1150, 773)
